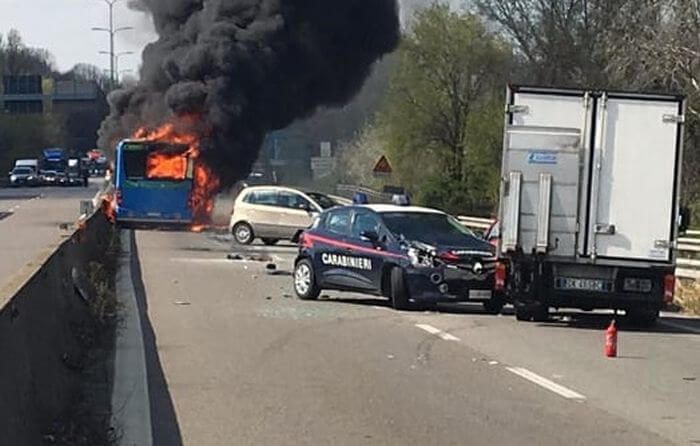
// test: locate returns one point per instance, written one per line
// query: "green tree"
(442, 119)
(23, 136)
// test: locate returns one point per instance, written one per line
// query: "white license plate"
(581, 284)
(480, 294)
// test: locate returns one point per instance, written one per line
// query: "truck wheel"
(495, 304)
(643, 318)
(540, 313)
(243, 233)
(399, 292)
(305, 285)
(522, 312)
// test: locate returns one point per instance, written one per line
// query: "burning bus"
(160, 180)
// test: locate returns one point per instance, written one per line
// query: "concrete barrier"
(41, 314)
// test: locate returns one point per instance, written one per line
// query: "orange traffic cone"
(611, 340)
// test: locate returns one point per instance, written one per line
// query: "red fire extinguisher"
(611, 340)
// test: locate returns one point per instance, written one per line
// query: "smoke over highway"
(244, 67)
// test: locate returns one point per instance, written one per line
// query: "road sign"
(383, 167)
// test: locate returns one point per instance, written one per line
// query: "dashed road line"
(437, 332)
(545, 383)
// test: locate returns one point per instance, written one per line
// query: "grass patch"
(88, 421)
(688, 296)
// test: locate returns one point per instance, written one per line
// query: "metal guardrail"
(347, 191)
(689, 260)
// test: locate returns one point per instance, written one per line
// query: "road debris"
(182, 303)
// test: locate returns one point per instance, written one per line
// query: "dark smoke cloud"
(250, 66)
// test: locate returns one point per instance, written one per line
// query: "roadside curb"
(131, 410)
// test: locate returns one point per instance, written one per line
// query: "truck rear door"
(635, 177)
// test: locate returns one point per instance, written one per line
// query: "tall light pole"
(112, 32)
(116, 58)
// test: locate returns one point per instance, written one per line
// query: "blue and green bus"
(153, 183)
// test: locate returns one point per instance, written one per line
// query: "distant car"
(23, 176)
(51, 178)
(412, 255)
(273, 213)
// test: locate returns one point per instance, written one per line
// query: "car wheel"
(305, 285)
(243, 234)
(270, 241)
(399, 292)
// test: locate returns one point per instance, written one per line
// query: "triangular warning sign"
(383, 166)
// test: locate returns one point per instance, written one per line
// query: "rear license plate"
(480, 294)
(565, 283)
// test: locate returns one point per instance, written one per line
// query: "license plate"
(564, 283)
(480, 294)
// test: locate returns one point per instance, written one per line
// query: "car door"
(296, 213)
(261, 212)
(331, 257)
(369, 252)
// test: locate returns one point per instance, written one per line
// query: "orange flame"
(109, 207)
(175, 166)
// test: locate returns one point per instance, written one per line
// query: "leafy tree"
(438, 117)
(23, 136)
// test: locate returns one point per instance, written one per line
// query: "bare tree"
(561, 42)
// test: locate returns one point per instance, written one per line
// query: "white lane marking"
(545, 383)
(678, 326)
(437, 332)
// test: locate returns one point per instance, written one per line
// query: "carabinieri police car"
(412, 255)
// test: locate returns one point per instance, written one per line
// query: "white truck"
(589, 206)
(30, 163)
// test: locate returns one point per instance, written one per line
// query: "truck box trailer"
(589, 205)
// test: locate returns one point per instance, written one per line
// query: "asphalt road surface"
(31, 220)
(234, 359)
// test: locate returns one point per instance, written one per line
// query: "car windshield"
(324, 201)
(431, 228)
(22, 171)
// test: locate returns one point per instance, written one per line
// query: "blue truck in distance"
(54, 159)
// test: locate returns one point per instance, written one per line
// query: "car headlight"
(13, 178)
(420, 258)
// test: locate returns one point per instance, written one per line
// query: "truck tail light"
(118, 194)
(669, 288)
(500, 277)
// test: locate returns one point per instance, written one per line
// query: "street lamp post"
(112, 32)
(115, 58)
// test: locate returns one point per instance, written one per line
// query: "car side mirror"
(684, 219)
(370, 236)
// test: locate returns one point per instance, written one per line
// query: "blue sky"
(63, 27)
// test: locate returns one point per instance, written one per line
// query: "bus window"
(157, 162)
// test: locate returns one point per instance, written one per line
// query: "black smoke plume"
(246, 67)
